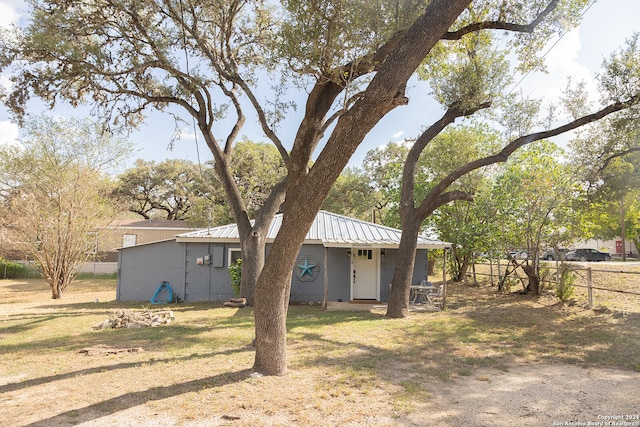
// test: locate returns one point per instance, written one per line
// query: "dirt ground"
(519, 394)
(539, 395)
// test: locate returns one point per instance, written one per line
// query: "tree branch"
(501, 25)
(450, 196)
(410, 165)
(617, 155)
(510, 148)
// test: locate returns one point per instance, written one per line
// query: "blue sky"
(579, 54)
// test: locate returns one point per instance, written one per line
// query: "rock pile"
(102, 349)
(133, 319)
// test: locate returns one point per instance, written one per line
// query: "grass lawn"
(345, 368)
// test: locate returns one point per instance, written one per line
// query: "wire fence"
(609, 286)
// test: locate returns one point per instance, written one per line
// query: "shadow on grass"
(157, 338)
(130, 400)
(104, 368)
(479, 330)
(360, 349)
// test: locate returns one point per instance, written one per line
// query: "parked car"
(552, 255)
(587, 255)
(519, 254)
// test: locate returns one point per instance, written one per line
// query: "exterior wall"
(609, 246)
(143, 268)
(206, 282)
(339, 275)
(312, 290)
(388, 263)
(145, 231)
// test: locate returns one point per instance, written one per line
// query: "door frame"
(376, 258)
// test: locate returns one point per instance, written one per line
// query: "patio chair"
(436, 298)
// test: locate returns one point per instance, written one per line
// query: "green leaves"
(620, 80)
(533, 198)
(466, 73)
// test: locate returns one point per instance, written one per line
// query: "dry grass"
(606, 279)
(346, 368)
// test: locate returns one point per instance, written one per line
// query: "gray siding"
(339, 274)
(207, 282)
(141, 269)
(309, 291)
(387, 265)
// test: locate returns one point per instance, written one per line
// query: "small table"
(420, 293)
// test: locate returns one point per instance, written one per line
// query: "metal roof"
(328, 229)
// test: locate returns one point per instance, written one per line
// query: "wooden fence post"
(589, 287)
(473, 268)
(325, 295)
(444, 279)
(491, 270)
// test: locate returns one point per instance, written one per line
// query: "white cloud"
(8, 133)
(563, 59)
(397, 135)
(8, 13)
(563, 63)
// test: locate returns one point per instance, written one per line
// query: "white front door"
(364, 273)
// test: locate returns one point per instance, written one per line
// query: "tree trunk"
(463, 267)
(273, 291)
(253, 255)
(55, 291)
(308, 187)
(403, 272)
(271, 306)
(431, 265)
(534, 278)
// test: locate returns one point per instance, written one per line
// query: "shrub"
(235, 272)
(565, 287)
(13, 270)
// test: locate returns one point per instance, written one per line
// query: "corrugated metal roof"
(328, 228)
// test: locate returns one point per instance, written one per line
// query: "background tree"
(534, 194)
(471, 84)
(607, 159)
(180, 189)
(353, 195)
(462, 224)
(257, 168)
(167, 189)
(383, 165)
(56, 195)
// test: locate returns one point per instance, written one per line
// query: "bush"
(565, 287)
(13, 270)
(235, 272)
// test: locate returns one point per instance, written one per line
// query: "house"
(104, 243)
(127, 232)
(130, 232)
(349, 259)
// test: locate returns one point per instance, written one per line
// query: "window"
(234, 255)
(128, 240)
(365, 253)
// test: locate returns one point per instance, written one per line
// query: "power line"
(552, 46)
